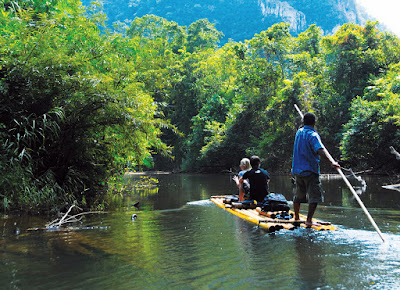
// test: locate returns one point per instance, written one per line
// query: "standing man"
(258, 179)
(307, 150)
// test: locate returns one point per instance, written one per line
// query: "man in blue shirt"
(307, 150)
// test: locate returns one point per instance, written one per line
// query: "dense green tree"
(157, 30)
(72, 111)
(353, 55)
(309, 41)
(375, 124)
(257, 82)
(171, 74)
(202, 34)
(272, 45)
(216, 89)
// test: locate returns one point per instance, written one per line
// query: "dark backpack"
(275, 202)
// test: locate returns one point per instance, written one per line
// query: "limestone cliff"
(241, 19)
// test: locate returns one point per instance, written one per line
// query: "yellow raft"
(267, 220)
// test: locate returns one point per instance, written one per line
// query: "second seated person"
(258, 178)
(244, 187)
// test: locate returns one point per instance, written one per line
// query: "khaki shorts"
(308, 189)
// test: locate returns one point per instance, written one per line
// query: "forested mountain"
(241, 19)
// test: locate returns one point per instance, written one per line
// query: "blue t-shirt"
(305, 156)
(241, 173)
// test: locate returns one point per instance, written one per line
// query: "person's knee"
(317, 198)
(299, 199)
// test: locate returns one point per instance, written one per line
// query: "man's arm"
(325, 155)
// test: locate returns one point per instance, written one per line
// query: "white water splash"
(200, 202)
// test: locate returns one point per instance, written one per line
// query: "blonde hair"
(246, 163)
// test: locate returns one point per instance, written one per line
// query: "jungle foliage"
(72, 112)
(81, 103)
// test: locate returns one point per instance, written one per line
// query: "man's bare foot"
(312, 224)
(297, 222)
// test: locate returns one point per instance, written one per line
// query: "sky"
(385, 11)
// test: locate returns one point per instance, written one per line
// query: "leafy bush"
(72, 112)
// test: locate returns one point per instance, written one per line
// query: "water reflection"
(310, 265)
(181, 240)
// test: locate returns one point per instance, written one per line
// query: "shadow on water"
(182, 240)
(310, 264)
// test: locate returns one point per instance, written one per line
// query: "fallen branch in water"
(59, 224)
(62, 219)
(70, 219)
(363, 186)
(392, 186)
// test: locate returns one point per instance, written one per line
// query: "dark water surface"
(181, 240)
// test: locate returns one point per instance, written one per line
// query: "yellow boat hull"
(265, 222)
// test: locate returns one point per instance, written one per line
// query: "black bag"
(275, 202)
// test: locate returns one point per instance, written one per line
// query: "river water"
(181, 240)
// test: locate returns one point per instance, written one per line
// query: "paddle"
(350, 187)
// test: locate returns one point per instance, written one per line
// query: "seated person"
(244, 188)
(258, 178)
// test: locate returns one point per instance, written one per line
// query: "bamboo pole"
(350, 187)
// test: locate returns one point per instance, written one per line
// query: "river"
(181, 240)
